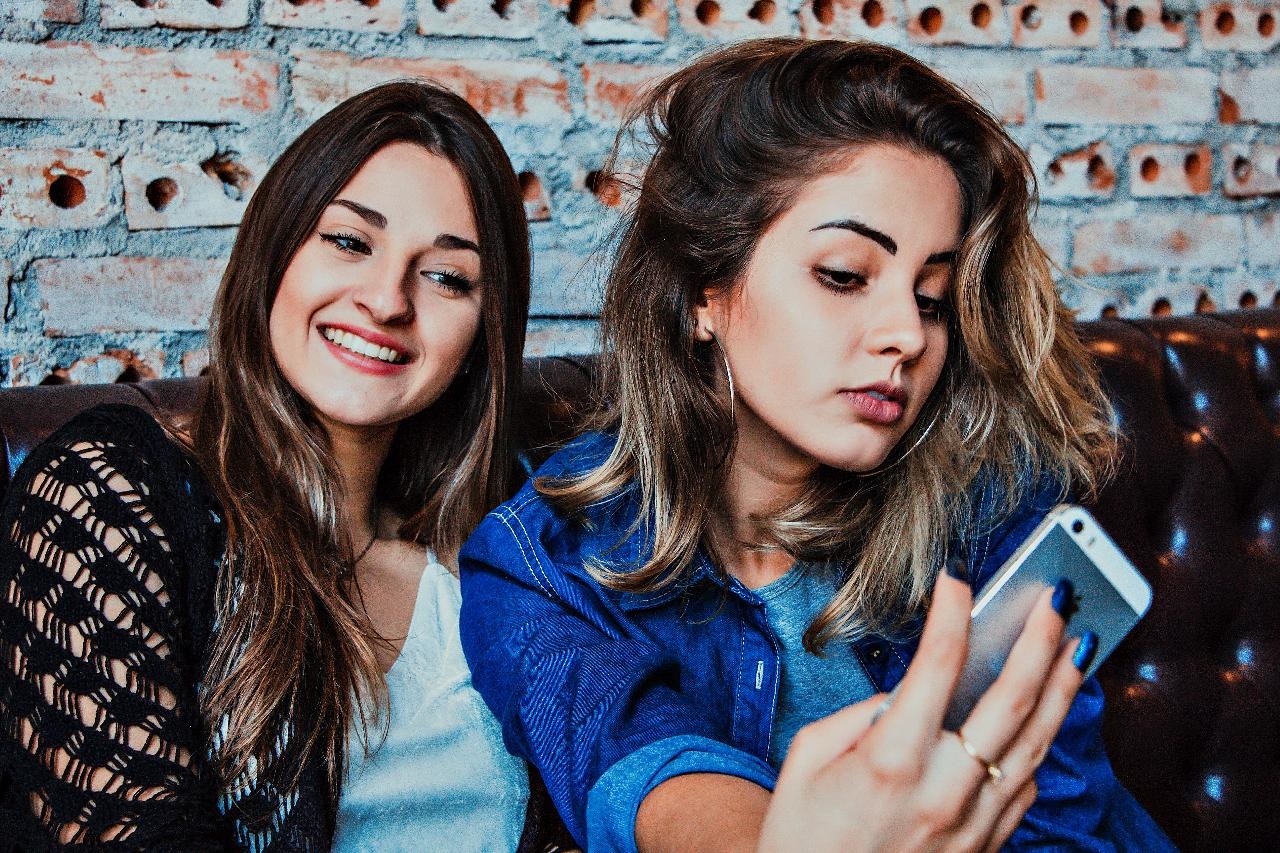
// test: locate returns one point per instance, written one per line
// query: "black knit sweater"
(110, 548)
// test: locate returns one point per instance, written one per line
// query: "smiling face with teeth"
(378, 309)
(838, 331)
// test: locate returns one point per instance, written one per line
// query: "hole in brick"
(1205, 304)
(1031, 18)
(1266, 25)
(873, 13)
(1228, 109)
(500, 7)
(1101, 177)
(1241, 169)
(1149, 169)
(161, 192)
(1248, 299)
(1193, 165)
(1225, 22)
(297, 2)
(824, 11)
(130, 373)
(1170, 19)
(1161, 308)
(1079, 22)
(535, 201)
(1055, 172)
(66, 192)
(1134, 19)
(141, 4)
(579, 11)
(234, 176)
(931, 20)
(762, 11)
(980, 15)
(58, 377)
(441, 5)
(217, 4)
(707, 12)
(642, 8)
(604, 188)
(1109, 312)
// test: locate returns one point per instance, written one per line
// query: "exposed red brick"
(179, 14)
(1164, 170)
(385, 16)
(972, 22)
(1147, 24)
(1056, 23)
(80, 296)
(93, 81)
(63, 11)
(1002, 91)
(529, 91)
(113, 365)
(616, 20)
(1078, 95)
(878, 20)
(1252, 94)
(734, 19)
(1087, 172)
(506, 19)
(1239, 26)
(537, 206)
(1157, 242)
(159, 194)
(1251, 170)
(54, 188)
(612, 89)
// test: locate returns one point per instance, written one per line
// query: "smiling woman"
(242, 632)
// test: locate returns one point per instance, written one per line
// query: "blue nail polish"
(1086, 651)
(1064, 598)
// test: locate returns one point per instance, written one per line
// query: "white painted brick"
(160, 194)
(872, 20)
(1151, 242)
(1056, 23)
(566, 283)
(179, 14)
(1170, 170)
(612, 89)
(1147, 24)
(530, 91)
(1262, 233)
(81, 296)
(195, 362)
(1239, 27)
(730, 20)
(561, 337)
(94, 81)
(518, 19)
(970, 22)
(616, 20)
(1001, 91)
(386, 16)
(52, 11)
(1077, 95)
(54, 188)
(1087, 172)
(1251, 95)
(1251, 170)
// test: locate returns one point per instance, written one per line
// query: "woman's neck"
(359, 454)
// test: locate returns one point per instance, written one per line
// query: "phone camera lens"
(1077, 526)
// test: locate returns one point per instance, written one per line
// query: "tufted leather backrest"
(1193, 717)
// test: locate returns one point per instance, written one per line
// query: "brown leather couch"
(1193, 723)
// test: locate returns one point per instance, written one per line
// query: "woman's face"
(838, 331)
(379, 307)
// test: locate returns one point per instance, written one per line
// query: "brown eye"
(932, 309)
(348, 243)
(839, 280)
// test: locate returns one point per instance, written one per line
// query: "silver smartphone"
(1110, 597)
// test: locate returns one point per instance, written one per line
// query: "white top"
(442, 779)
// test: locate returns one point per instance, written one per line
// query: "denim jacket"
(609, 693)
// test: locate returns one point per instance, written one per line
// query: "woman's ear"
(704, 313)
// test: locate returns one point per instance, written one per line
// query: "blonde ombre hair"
(734, 137)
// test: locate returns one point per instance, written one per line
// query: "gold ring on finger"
(993, 769)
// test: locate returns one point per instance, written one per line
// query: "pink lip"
(364, 363)
(372, 337)
(885, 412)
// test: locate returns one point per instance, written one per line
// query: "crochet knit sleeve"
(99, 730)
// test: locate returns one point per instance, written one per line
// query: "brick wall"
(133, 131)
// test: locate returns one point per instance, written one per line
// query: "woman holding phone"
(241, 633)
(835, 363)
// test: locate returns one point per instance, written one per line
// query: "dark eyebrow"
(452, 241)
(948, 257)
(368, 214)
(884, 240)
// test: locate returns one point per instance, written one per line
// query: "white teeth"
(357, 344)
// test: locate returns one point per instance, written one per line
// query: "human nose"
(895, 327)
(384, 294)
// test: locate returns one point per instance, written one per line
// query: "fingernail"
(1064, 598)
(957, 569)
(1086, 651)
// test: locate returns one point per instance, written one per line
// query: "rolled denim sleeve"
(575, 685)
(615, 799)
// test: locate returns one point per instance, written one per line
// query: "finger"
(1010, 701)
(1010, 817)
(921, 701)
(1032, 743)
(822, 741)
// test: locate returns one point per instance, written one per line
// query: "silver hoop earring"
(728, 372)
(918, 442)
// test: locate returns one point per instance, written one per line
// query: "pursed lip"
(376, 338)
(888, 390)
(882, 403)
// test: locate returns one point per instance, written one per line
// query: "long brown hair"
(290, 639)
(734, 138)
